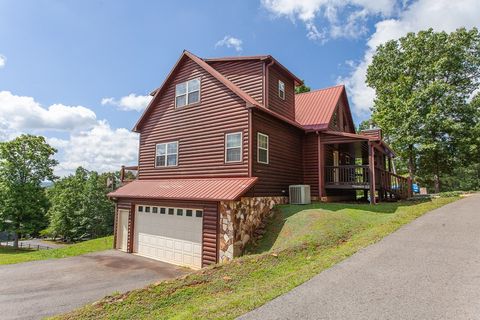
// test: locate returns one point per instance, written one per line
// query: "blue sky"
(73, 54)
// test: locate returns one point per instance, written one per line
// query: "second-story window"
(281, 89)
(187, 93)
(233, 147)
(262, 148)
(167, 154)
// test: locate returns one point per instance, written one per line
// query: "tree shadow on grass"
(10, 250)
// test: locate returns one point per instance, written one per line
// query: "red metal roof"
(211, 189)
(314, 109)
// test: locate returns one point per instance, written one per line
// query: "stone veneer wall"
(238, 221)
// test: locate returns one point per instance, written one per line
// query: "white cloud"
(101, 149)
(341, 18)
(423, 14)
(90, 143)
(3, 61)
(129, 103)
(24, 113)
(230, 42)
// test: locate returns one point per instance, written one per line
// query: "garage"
(169, 234)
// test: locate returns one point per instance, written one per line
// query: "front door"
(122, 234)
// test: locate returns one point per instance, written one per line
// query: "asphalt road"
(429, 269)
(34, 290)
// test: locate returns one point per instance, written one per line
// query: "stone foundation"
(239, 220)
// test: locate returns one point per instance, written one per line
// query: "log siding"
(199, 129)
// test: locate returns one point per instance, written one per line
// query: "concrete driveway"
(37, 289)
(429, 269)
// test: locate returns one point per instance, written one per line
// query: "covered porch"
(352, 162)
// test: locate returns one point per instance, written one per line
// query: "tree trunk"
(436, 183)
(15, 240)
(411, 162)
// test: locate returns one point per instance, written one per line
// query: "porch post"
(371, 165)
(321, 168)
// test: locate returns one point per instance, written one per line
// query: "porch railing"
(347, 175)
(395, 184)
(350, 176)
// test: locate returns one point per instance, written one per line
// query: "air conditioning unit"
(299, 194)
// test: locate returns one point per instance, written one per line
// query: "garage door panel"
(171, 238)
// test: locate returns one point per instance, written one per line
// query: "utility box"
(299, 194)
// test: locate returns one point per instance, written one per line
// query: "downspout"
(267, 83)
(321, 172)
(250, 142)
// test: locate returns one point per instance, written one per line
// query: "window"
(140, 208)
(179, 212)
(154, 210)
(167, 154)
(171, 211)
(281, 89)
(198, 213)
(262, 148)
(187, 93)
(147, 209)
(189, 212)
(163, 210)
(233, 147)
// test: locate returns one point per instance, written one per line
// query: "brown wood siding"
(285, 107)
(247, 75)
(285, 156)
(343, 124)
(310, 162)
(210, 222)
(199, 129)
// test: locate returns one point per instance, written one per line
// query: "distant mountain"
(47, 184)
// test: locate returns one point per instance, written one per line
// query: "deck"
(358, 177)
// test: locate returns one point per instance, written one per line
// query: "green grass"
(10, 256)
(300, 242)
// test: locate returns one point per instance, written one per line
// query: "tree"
(423, 83)
(366, 124)
(80, 207)
(25, 163)
(301, 89)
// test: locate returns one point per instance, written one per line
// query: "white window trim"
(260, 148)
(241, 147)
(283, 91)
(166, 154)
(186, 93)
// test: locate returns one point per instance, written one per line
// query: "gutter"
(267, 86)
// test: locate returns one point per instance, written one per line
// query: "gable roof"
(217, 75)
(314, 109)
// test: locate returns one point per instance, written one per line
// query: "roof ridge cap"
(321, 89)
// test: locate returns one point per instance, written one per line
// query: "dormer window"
(281, 89)
(187, 93)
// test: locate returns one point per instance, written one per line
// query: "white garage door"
(169, 234)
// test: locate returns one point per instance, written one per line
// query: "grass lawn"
(300, 242)
(9, 255)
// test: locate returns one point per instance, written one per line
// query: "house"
(220, 144)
